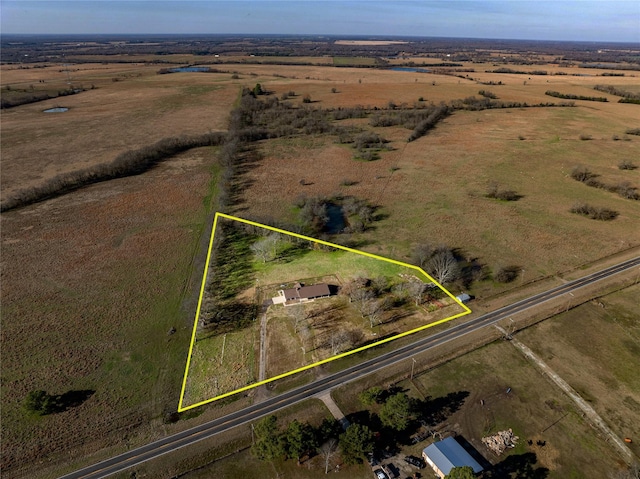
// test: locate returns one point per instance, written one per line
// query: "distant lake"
(411, 69)
(189, 69)
(58, 109)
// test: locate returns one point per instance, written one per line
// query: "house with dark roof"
(300, 293)
(444, 455)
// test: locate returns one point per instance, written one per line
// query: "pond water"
(58, 109)
(337, 222)
(189, 69)
(411, 69)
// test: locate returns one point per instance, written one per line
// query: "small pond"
(411, 69)
(337, 222)
(189, 69)
(58, 109)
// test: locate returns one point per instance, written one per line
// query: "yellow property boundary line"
(182, 408)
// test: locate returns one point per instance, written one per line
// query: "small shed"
(463, 298)
(444, 455)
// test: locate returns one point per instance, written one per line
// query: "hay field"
(92, 283)
(139, 109)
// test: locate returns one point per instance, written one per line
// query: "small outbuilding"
(444, 455)
(463, 298)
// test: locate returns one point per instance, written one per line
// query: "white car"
(381, 475)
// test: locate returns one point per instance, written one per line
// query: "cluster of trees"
(517, 72)
(314, 215)
(30, 96)
(129, 163)
(301, 439)
(440, 262)
(229, 274)
(593, 212)
(623, 188)
(626, 95)
(569, 96)
(487, 94)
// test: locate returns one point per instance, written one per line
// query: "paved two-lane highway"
(251, 413)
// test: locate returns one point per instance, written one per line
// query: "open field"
(109, 274)
(605, 372)
(93, 281)
(139, 110)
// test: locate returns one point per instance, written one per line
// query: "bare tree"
(421, 254)
(265, 248)
(361, 298)
(373, 310)
(417, 290)
(327, 451)
(298, 314)
(443, 266)
(305, 335)
(338, 341)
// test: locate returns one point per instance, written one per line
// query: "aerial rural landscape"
(372, 254)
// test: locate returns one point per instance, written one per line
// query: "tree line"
(132, 162)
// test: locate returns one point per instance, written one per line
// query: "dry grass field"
(93, 281)
(605, 372)
(136, 111)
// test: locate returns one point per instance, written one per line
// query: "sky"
(580, 20)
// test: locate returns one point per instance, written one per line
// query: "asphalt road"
(256, 411)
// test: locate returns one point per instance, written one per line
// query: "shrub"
(487, 94)
(506, 274)
(306, 98)
(584, 137)
(493, 191)
(334, 90)
(627, 165)
(581, 173)
(633, 131)
(595, 213)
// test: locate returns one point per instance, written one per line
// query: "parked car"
(414, 461)
(380, 474)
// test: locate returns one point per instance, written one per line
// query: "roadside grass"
(606, 371)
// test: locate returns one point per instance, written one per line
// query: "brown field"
(91, 284)
(605, 372)
(115, 117)
(93, 281)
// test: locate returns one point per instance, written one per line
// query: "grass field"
(605, 372)
(109, 275)
(94, 281)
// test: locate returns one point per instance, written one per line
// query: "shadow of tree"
(518, 466)
(432, 411)
(70, 399)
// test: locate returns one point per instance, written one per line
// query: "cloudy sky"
(582, 20)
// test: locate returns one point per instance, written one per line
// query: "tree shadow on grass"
(518, 466)
(70, 399)
(434, 411)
